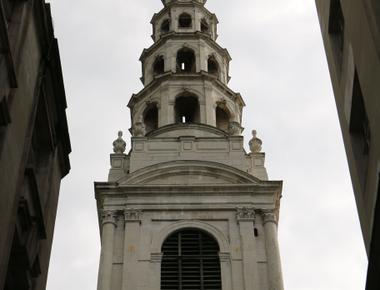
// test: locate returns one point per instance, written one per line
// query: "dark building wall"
(351, 35)
(34, 141)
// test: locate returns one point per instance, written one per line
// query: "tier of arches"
(186, 63)
(187, 110)
(185, 21)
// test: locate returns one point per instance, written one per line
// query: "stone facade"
(187, 168)
(34, 142)
(351, 34)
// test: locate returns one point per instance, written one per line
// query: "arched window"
(186, 109)
(204, 26)
(151, 118)
(185, 21)
(190, 261)
(159, 65)
(165, 26)
(222, 119)
(186, 60)
(213, 66)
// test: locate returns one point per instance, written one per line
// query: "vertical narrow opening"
(359, 131)
(222, 118)
(165, 26)
(186, 60)
(256, 232)
(151, 118)
(185, 21)
(204, 26)
(213, 66)
(159, 65)
(186, 109)
(336, 29)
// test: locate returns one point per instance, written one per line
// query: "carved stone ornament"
(108, 217)
(269, 217)
(139, 129)
(131, 214)
(235, 129)
(255, 144)
(245, 214)
(119, 144)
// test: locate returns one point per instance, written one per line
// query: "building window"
(185, 21)
(186, 60)
(165, 26)
(151, 118)
(186, 109)
(4, 111)
(213, 66)
(359, 130)
(204, 26)
(336, 28)
(222, 119)
(190, 261)
(159, 65)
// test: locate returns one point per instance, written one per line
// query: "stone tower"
(187, 208)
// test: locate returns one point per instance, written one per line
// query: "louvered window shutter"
(190, 262)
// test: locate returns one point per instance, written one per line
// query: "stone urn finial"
(255, 144)
(119, 144)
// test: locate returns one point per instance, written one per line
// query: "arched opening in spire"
(165, 26)
(187, 109)
(185, 20)
(204, 26)
(190, 261)
(151, 117)
(186, 60)
(159, 65)
(213, 66)
(222, 118)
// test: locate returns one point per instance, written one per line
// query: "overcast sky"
(278, 66)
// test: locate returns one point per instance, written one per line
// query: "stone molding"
(132, 215)
(245, 214)
(224, 257)
(156, 257)
(160, 237)
(269, 217)
(109, 217)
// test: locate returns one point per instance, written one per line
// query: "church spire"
(188, 207)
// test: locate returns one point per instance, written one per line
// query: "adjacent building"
(34, 142)
(188, 207)
(351, 35)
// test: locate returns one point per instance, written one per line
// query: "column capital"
(132, 215)
(269, 216)
(245, 214)
(108, 217)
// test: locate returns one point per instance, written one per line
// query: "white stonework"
(187, 167)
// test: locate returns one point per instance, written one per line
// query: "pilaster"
(245, 217)
(132, 221)
(108, 222)
(275, 280)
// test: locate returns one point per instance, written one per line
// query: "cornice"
(182, 4)
(191, 35)
(203, 127)
(115, 189)
(194, 76)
